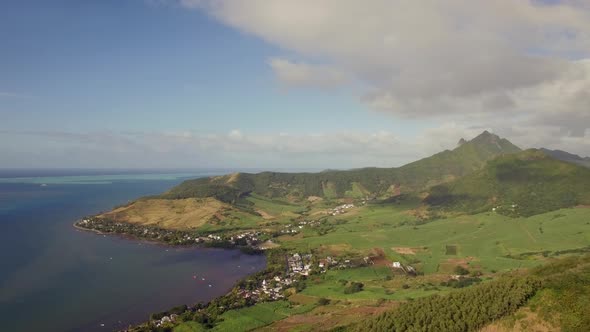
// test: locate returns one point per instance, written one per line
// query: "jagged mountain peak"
(486, 136)
(487, 141)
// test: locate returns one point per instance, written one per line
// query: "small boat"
(43, 184)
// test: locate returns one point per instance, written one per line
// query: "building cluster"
(340, 209)
(242, 239)
(290, 229)
(296, 228)
(405, 268)
(269, 290)
(299, 264)
(166, 320)
(247, 238)
(214, 237)
(175, 237)
(499, 207)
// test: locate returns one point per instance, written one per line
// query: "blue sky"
(202, 84)
(128, 65)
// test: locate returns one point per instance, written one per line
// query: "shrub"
(460, 270)
(354, 287)
(323, 301)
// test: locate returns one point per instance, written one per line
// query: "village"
(295, 229)
(276, 287)
(249, 239)
(340, 209)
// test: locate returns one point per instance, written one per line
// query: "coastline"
(75, 224)
(148, 319)
(203, 245)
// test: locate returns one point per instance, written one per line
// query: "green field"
(487, 241)
(376, 286)
(250, 318)
(274, 207)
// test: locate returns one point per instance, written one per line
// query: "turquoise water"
(98, 179)
(54, 277)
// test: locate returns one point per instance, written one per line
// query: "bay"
(54, 277)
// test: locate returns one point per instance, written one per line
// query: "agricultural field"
(488, 242)
(380, 283)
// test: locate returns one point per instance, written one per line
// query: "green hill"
(375, 182)
(525, 184)
(463, 160)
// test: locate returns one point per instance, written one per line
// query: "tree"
(461, 270)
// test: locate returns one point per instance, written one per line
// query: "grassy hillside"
(376, 182)
(525, 183)
(180, 214)
(555, 293)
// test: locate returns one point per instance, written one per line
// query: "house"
(397, 265)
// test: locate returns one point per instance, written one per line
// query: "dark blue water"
(54, 277)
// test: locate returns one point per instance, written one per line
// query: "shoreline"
(130, 237)
(89, 229)
(172, 237)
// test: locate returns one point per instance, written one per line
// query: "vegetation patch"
(463, 310)
(451, 249)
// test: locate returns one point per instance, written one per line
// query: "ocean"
(54, 277)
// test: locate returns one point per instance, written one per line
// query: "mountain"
(566, 156)
(525, 184)
(375, 182)
(449, 165)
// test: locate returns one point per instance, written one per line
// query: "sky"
(286, 84)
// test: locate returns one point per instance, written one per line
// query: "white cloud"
(303, 74)
(465, 61)
(237, 149)
(187, 149)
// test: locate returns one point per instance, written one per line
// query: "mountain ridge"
(521, 184)
(567, 156)
(356, 183)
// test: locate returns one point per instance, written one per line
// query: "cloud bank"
(234, 149)
(510, 65)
